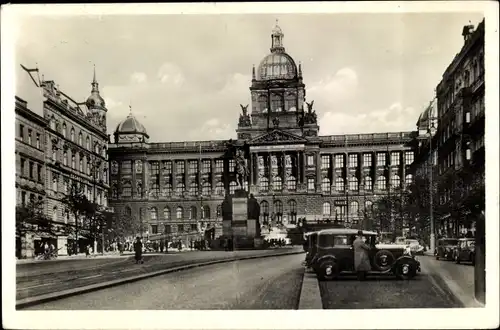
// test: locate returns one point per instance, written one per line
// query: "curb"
(310, 295)
(31, 301)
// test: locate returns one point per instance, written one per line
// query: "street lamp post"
(347, 202)
(431, 192)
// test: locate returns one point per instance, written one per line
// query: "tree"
(78, 204)
(120, 225)
(30, 218)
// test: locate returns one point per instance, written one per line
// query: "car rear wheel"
(457, 258)
(406, 269)
(327, 270)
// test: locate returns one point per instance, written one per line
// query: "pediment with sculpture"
(277, 136)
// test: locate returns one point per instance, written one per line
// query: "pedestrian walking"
(361, 257)
(87, 251)
(138, 250)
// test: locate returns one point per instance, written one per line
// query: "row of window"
(32, 198)
(367, 159)
(180, 213)
(340, 210)
(35, 171)
(29, 138)
(84, 165)
(166, 167)
(98, 149)
(87, 189)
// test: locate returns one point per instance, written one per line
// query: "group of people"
(276, 242)
(49, 251)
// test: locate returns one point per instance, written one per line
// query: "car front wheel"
(406, 269)
(328, 270)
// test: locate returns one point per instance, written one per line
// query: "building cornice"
(81, 121)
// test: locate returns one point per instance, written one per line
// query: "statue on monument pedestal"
(241, 168)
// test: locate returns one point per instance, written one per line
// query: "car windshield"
(450, 242)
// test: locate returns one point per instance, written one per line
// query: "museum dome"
(130, 126)
(278, 64)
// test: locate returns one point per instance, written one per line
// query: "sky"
(185, 76)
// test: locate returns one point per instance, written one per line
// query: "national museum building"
(178, 187)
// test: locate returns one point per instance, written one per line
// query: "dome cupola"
(130, 130)
(277, 65)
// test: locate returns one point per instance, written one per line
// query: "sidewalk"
(459, 278)
(31, 282)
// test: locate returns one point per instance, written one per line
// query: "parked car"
(445, 248)
(334, 255)
(415, 247)
(465, 250)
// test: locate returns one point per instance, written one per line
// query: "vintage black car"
(334, 255)
(445, 248)
(465, 250)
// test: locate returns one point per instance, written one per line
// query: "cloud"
(171, 74)
(336, 88)
(138, 77)
(111, 103)
(214, 129)
(392, 119)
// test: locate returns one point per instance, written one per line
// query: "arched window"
(89, 168)
(205, 189)
(353, 207)
(54, 214)
(54, 153)
(167, 189)
(179, 213)
(80, 139)
(54, 182)
(368, 183)
(339, 184)
(353, 183)
(264, 184)
(291, 183)
(52, 123)
(193, 213)
(154, 213)
(219, 211)
(340, 212)
(127, 189)
(264, 211)
(66, 216)
(105, 175)
(72, 134)
(206, 212)
(278, 211)
(368, 207)
(64, 130)
(114, 190)
(292, 211)
(381, 182)
(166, 213)
(395, 181)
(180, 188)
(73, 161)
(277, 184)
(325, 186)
(232, 187)
(128, 211)
(65, 158)
(219, 188)
(327, 209)
(409, 179)
(65, 186)
(193, 189)
(81, 165)
(87, 144)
